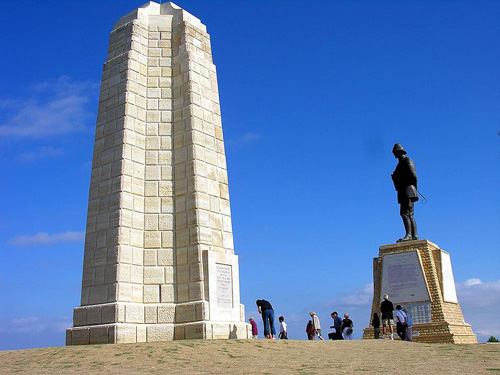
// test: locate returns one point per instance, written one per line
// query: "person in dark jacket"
(337, 322)
(376, 326)
(346, 327)
(310, 330)
(267, 311)
(387, 308)
(405, 182)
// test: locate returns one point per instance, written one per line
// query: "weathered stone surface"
(98, 335)
(160, 332)
(158, 218)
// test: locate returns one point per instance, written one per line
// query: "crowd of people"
(402, 317)
(343, 328)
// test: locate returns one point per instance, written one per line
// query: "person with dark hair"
(376, 326)
(400, 322)
(386, 308)
(310, 330)
(337, 322)
(267, 311)
(283, 333)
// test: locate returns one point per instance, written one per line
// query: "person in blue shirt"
(337, 322)
(409, 324)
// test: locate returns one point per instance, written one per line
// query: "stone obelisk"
(159, 260)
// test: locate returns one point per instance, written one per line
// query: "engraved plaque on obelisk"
(224, 286)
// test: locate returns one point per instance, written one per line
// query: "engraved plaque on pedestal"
(449, 291)
(403, 278)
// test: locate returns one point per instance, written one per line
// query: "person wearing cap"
(405, 182)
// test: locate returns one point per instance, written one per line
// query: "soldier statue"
(405, 182)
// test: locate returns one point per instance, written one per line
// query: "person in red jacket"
(310, 330)
(255, 331)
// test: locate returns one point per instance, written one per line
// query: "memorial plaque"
(224, 286)
(403, 278)
(419, 313)
(449, 290)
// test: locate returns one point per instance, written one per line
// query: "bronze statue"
(405, 182)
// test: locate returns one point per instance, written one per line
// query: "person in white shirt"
(283, 332)
(400, 322)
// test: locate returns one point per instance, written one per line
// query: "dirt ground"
(257, 357)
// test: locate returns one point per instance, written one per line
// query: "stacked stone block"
(158, 219)
(447, 322)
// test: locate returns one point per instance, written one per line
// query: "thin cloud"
(471, 282)
(249, 137)
(53, 107)
(87, 165)
(33, 324)
(41, 153)
(43, 238)
(479, 302)
(244, 139)
(357, 298)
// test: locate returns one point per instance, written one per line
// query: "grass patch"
(188, 344)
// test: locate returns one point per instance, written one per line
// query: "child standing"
(255, 332)
(283, 332)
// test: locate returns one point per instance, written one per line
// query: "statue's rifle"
(424, 198)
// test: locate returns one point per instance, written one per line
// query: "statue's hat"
(398, 148)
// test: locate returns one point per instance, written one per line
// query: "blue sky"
(313, 96)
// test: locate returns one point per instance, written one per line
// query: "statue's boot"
(407, 224)
(414, 234)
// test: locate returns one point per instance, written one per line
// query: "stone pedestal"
(159, 261)
(418, 276)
